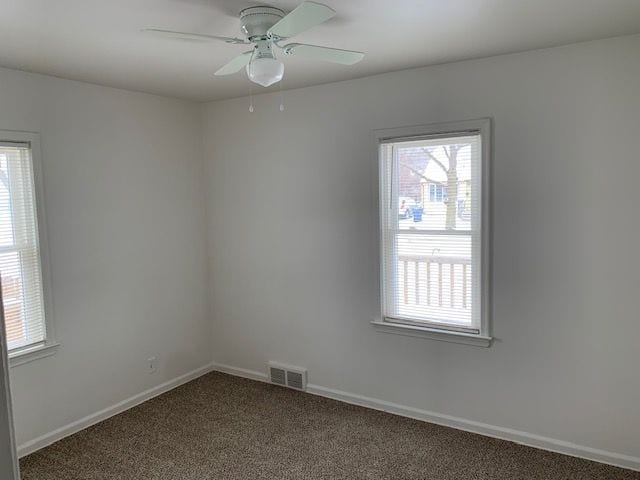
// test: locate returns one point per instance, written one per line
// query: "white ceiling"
(99, 41)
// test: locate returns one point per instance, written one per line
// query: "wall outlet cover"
(152, 364)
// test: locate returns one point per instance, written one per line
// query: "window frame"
(479, 126)
(49, 346)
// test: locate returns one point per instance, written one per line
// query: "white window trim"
(483, 338)
(32, 353)
(49, 346)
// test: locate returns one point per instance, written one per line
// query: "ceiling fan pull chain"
(281, 97)
(250, 98)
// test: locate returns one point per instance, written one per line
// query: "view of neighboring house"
(438, 178)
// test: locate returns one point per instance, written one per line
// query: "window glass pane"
(431, 246)
(433, 278)
(20, 267)
(436, 176)
(12, 295)
(6, 226)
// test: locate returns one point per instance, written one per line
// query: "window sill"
(31, 354)
(432, 333)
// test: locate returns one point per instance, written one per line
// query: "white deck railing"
(439, 281)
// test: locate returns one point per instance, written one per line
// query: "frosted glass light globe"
(265, 71)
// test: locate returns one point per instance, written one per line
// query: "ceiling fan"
(268, 27)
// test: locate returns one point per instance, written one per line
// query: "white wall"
(125, 209)
(293, 240)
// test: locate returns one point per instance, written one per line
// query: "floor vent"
(288, 376)
(278, 376)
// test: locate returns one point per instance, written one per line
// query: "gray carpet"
(222, 427)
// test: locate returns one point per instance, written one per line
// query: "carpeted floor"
(222, 427)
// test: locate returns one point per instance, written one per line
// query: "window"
(437, 192)
(433, 266)
(20, 256)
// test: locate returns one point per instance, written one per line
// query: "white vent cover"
(288, 376)
(278, 376)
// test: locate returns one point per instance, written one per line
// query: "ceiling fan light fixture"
(265, 71)
(264, 27)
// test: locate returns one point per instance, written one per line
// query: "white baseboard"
(74, 427)
(516, 436)
(240, 372)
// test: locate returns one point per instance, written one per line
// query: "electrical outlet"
(152, 364)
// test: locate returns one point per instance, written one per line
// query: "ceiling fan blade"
(192, 36)
(303, 17)
(236, 64)
(326, 54)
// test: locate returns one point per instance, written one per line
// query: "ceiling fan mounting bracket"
(256, 21)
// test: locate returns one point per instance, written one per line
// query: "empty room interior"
(319, 239)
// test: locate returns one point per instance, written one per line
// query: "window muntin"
(20, 267)
(432, 261)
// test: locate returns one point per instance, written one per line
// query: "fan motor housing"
(256, 21)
